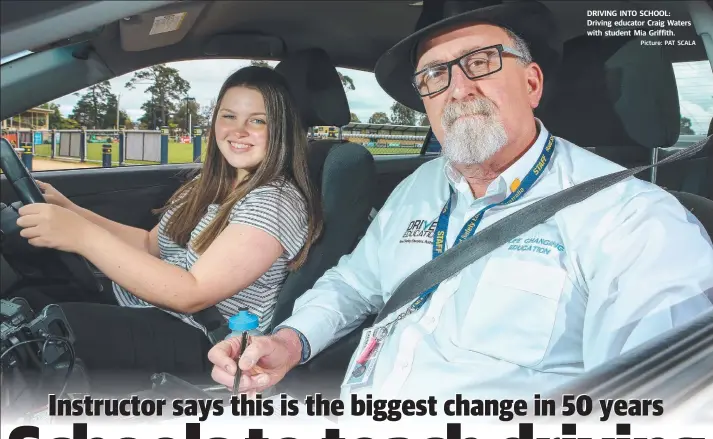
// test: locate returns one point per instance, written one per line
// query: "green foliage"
(91, 109)
(402, 115)
(166, 89)
(379, 117)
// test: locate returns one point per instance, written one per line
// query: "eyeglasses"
(475, 64)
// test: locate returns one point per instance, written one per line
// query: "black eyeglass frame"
(449, 64)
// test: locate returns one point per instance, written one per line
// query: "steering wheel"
(29, 193)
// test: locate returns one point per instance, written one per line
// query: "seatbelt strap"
(215, 324)
(455, 259)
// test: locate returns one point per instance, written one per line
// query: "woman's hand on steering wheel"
(53, 196)
(34, 205)
(51, 226)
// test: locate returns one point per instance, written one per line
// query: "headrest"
(614, 92)
(317, 88)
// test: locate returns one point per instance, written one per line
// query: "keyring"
(381, 333)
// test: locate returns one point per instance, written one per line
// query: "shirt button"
(404, 365)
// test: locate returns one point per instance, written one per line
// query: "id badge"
(372, 340)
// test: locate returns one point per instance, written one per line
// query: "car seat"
(622, 100)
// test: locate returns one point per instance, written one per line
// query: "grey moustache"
(476, 107)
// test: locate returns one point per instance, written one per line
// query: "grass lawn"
(177, 152)
(393, 151)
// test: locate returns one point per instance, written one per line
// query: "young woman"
(227, 238)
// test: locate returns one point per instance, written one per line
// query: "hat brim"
(530, 20)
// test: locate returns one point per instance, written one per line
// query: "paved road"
(39, 164)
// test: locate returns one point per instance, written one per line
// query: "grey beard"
(472, 140)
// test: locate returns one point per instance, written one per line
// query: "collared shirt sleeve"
(650, 269)
(306, 348)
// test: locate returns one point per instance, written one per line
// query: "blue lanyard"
(468, 230)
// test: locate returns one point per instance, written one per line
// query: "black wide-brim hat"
(530, 20)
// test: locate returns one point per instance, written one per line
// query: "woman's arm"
(236, 259)
(134, 236)
(138, 238)
(264, 227)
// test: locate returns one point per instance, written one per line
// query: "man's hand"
(265, 362)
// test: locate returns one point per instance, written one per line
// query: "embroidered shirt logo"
(420, 232)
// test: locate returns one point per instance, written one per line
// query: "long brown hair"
(285, 162)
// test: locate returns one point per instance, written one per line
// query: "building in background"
(325, 132)
(385, 135)
(33, 119)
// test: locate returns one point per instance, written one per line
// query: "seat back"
(344, 172)
(700, 207)
(615, 97)
(621, 99)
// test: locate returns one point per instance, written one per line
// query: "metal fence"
(143, 146)
(149, 146)
(86, 145)
(70, 144)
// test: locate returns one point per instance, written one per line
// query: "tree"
(379, 117)
(91, 108)
(154, 113)
(69, 124)
(207, 112)
(128, 124)
(686, 126)
(188, 107)
(109, 119)
(424, 122)
(355, 118)
(402, 115)
(57, 121)
(347, 82)
(56, 117)
(259, 63)
(167, 88)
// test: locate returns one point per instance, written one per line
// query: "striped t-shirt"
(280, 210)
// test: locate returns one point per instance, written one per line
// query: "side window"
(382, 125)
(694, 81)
(128, 120)
(132, 120)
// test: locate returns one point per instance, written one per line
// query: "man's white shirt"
(595, 280)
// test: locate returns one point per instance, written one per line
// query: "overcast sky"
(695, 88)
(206, 77)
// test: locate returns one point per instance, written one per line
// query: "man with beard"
(590, 283)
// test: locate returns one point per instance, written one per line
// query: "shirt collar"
(510, 178)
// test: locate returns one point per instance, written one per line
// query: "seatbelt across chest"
(455, 259)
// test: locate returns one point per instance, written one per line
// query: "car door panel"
(123, 194)
(128, 194)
